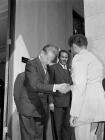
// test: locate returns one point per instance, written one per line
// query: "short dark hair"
(62, 51)
(50, 47)
(78, 39)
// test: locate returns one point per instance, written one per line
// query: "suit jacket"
(59, 75)
(30, 90)
(88, 102)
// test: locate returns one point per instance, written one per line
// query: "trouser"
(53, 126)
(32, 128)
(62, 126)
(86, 131)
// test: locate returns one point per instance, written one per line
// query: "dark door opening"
(78, 23)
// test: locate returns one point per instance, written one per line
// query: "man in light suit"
(30, 93)
(88, 102)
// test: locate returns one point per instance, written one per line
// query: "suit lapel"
(40, 67)
(62, 71)
(60, 67)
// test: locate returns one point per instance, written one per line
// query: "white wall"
(95, 27)
(40, 22)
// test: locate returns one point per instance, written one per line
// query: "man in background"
(60, 104)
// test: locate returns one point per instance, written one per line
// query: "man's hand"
(64, 88)
(51, 106)
(73, 121)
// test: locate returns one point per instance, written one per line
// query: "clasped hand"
(64, 88)
(73, 121)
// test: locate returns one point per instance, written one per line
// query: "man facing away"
(60, 104)
(88, 102)
(30, 94)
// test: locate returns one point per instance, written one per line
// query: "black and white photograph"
(52, 69)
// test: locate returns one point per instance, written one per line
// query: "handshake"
(62, 88)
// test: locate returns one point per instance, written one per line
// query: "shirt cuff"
(54, 89)
(51, 104)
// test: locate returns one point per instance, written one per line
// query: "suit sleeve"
(17, 87)
(79, 77)
(33, 82)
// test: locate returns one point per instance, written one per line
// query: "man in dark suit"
(60, 104)
(31, 92)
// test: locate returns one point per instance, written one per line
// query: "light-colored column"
(94, 11)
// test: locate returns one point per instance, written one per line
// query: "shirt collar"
(63, 66)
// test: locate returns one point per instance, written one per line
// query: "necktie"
(46, 79)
